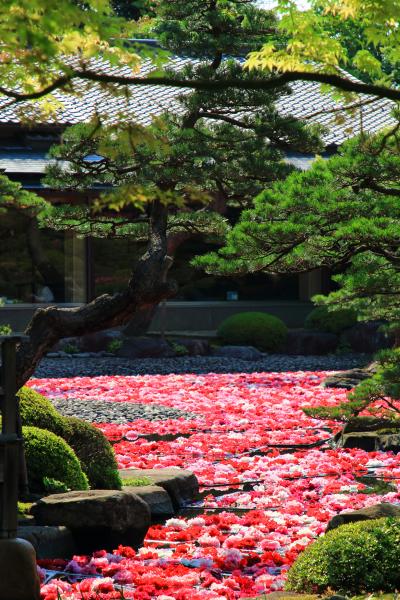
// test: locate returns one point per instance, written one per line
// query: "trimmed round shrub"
(49, 457)
(94, 452)
(258, 329)
(38, 411)
(352, 559)
(321, 319)
(89, 444)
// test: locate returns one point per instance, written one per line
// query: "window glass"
(39, 265)
(113, 261)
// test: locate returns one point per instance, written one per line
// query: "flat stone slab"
(49, 541)
(97, 518)
(181, 485)
(156, 497)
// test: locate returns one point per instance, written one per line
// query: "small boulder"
(377, 511)
(194, 346)
(368, 337)
(181, 485)
(96, 518)
(308, 343)
(157, 499)
(142, 347)
(239, 352)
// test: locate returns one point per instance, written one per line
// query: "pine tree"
(189, 168)
(344, 214)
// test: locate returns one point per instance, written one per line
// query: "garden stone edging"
(377, 511)
(96, 518)
(181, 485)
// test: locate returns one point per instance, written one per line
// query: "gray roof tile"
(142, 104)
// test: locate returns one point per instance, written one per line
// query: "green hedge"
(48, 456)
(89, 444)
(38, 411)
(94, 452)
(264, 331)
(321, 319)
(352, 559)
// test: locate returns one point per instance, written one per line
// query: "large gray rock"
(367, 337)
(370, 434)
(97, 518)
(377, 511)
(96, 342)
(19, 578)
(48, 542)
(194, 346)
(157, 499)
(351, 378)
(240, 352)
(181, 485)
(307, 343)
(143, 347)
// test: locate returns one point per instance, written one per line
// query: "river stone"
(19, 579)
(181, 485)
(48, 542)
(377, 511)
(97, 518)
(156, 497)
(241, 352)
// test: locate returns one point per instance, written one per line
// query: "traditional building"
(42, 266)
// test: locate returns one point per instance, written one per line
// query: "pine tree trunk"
(147, 287)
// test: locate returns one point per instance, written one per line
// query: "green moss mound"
(49, 456)
(352, 559)
(320, 319)
(258, 329)
(94, 452)
(38, 411)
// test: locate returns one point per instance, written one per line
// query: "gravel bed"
(92, 367)
(100, 411)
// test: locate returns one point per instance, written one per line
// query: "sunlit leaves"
(313, 44)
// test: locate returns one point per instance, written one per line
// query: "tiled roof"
(306, 102)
